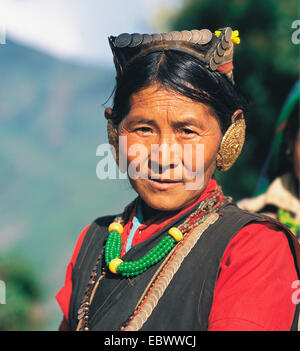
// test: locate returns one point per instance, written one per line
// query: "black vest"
(186, 303)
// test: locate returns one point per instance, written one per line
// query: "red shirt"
(254, 288)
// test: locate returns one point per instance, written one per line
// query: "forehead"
(162, 100)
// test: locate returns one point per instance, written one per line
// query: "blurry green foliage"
(23, 293)
(266, 67)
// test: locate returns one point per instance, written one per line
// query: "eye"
(187, 131)
(143, 130)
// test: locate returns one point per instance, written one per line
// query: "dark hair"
(182, 73)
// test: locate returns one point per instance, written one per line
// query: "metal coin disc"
(129, 328)
(212, 64)
(186, 35)
(220, 50)
(206, 36)
(176, 35)
(123, 40)
(156, 37)
(227, 34)
(144, 315)
(147, 309)
(147, 39)
(151, 302)
(217, 58)
(166, 36)
(224, 44)
(136, 40)
(138, 322)
(195, 36)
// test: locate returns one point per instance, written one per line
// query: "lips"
(163, 184)
(165, 180)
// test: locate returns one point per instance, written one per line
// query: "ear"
(108, 113)
(112, 134)
(238, 114)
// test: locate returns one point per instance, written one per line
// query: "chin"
(161, 203)
(166, 200)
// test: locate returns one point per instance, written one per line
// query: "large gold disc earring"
(113, 138)
(231, 145)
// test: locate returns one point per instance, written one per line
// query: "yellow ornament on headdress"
(234, 36)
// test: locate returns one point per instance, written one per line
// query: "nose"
(165, 155)
(160, 161)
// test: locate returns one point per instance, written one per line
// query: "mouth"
(163, 184)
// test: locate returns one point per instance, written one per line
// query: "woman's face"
(171, 144)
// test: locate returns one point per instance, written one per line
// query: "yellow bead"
(114, 264)
(115, 227)
(176, 233)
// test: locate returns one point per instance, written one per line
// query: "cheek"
(126, 140)
(134, 155)
(202, 155)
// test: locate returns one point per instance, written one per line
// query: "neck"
(148, 212)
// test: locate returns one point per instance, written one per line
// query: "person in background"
(277, 191)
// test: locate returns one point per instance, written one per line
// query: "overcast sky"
(78, 28)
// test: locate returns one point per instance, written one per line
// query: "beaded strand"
(132, 268)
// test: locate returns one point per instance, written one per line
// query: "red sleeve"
(254, 287)
(64, 295)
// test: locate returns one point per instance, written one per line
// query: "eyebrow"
(187, 122)
(141, 120)
(177, 124)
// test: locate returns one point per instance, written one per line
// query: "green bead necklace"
(132, 268)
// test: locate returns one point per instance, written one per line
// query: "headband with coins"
(214, 50)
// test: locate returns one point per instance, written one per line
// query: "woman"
(181, 256)
(278, 187)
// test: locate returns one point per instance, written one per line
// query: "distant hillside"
(51, 122)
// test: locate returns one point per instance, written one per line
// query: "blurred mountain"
(51, 122)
